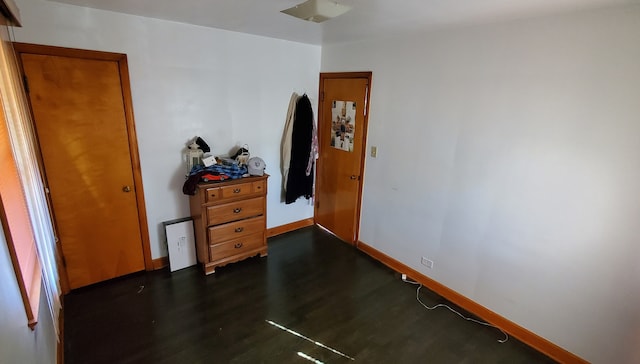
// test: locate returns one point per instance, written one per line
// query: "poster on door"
(343, 121)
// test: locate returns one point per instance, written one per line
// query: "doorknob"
(353, 176)
(126, 189)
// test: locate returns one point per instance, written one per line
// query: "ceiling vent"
(317, 11)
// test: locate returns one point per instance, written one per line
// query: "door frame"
(121, 59)
(342, 75)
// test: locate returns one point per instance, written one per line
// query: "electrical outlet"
(427, 262)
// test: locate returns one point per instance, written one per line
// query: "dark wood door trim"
(121, 59)
(337, 75)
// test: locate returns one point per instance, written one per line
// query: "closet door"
(81, 124)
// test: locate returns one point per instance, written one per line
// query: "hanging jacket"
(298, 182)
(285, 147)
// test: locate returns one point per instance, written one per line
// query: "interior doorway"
(342, 137)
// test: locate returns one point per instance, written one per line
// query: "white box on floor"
(181, 243)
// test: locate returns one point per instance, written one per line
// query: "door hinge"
(322, 96)
(317, 204)
(366, 99)
(25, 80)
(64, 261)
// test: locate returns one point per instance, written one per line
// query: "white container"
(209, 161)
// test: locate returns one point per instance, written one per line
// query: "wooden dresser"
(230, 220)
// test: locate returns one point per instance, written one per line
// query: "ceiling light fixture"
(317, 11)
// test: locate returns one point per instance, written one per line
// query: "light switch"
(374, 152)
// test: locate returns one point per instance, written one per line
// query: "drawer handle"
(238, 246)
(239, 229)
(237, 210)
(237, 190)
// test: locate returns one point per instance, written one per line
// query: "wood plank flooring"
(311, 283)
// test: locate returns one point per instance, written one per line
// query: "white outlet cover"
(426, 262)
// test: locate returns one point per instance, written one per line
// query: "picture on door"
(343, 117)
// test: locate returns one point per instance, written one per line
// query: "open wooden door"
(342, 133)
(82, 113)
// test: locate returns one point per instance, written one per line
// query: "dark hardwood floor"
(310, 283)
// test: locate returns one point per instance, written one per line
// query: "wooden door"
(342, 130)
(83, 125)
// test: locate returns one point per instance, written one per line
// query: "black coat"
(298, 183)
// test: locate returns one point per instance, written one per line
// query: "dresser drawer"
(259, 186)
(212, 194)
(232, 230)
(235, 211)
(236, 246)
(241, 189)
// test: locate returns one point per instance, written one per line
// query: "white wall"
(229, 88)
(510, 155)
(18, 343)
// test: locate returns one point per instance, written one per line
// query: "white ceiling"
(368, 18)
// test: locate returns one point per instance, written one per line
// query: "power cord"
(404, 279)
